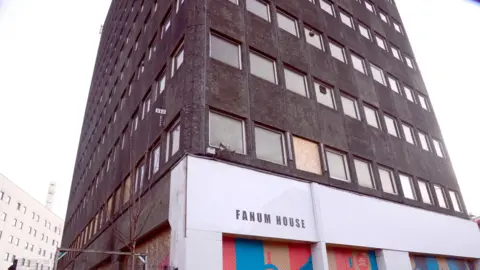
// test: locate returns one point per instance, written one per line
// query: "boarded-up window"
(307, 156)
(127, 189)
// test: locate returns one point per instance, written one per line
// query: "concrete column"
(319, 256)
(393, 260)
(204, 250)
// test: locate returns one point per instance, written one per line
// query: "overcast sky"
(48, 50)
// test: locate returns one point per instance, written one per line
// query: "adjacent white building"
(29, 232)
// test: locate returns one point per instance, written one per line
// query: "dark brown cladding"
(154, 56)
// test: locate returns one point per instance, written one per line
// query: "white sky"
(47, 55)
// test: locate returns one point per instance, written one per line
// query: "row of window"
(229, 52)
(275, 146)
(19, 224)
(290, 24)
(382, 14)
(24, 262)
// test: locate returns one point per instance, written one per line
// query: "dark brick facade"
(202, 83)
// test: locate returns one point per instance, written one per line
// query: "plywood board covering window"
(307, 156)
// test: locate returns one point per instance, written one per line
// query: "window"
(307, 155)
(391, 125)
(21, 225)
(424, 141)
(387, 180)
(425, 192)
(337, 51)
(327, 7)
(269, 145)
(14, 223)
(380, 42)
(295, 81)
(1, 195)
(377, 74)
(19, 205)
(160, 84)
(3, 217)
(227, 132)
(358, 62)
(234, 1)
(139, 175)
(409, 62)
(408, 131)
(372, 116)
(397, 27)
(6, 257)
(178, 4)
(394, 85)
(145, 106)
(287, 23)
(314, 38)
(396, 52)
(407, 187)
(156, 159)
(26, 245)
(10, 239)
(423, 102)
(455, 201)
(177, 59)
(369, 6)
(259, 8)
(383, 16)
(350, 108)
(337, 165)
(17, 241)
(165, 25)
(409, 94)
(263, 67)
(438, 148)
(8, 199)
(442, 202)
(364, 31)
(225, 51)
(346, 19)
(363, 169)
(173, 140)
(324, 95)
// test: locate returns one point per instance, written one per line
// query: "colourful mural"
(244, 254)
(440, 263)
(346, 259)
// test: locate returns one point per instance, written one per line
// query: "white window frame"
(423, 102)
(330, 94)
(369, 6)
(384, 17)
(286, 16)
(269, 17)
(304, 79)
(454, 197)
(316, 34)
(395, 124)
(342, 48)
(240, 121)
(409, 61)
(406, 127)
(366, 30)
(355, 106)
(381, 42)
(396, 52)
(440, 193)
(409, 94)
(393, 84)
(345, 164)
(230, 42)
(391, 175)
(403, 179)
(328, 7)
(282, 141)
(439, 148)
(175, 56)
(347, 19)
(380, 71)
(424, 141)
(424, 187)
(397, 27)
(356, 162)
(275, 76)
(355, 56)
(377, 117)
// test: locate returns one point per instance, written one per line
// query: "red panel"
(299, 254)
(229, 262)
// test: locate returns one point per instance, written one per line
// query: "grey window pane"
(262, 67)
(364, 173)
(372, 117)
(425, 192)
(286, 23)
(407, 187)
(269, 145)
(350, 107)
(391, 126)
(258, 8)
(227, 131)
(386, 178)
(224, 51)
(325, 98)
(408, 134)
(337, 52)
(295, 82)
(337, 166)
(440, 196)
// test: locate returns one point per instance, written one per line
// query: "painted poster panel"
(246, 254)
(440, 263)
(346, 259)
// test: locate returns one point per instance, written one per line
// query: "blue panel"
(432, 263)
(373, 260)
(249, 254)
